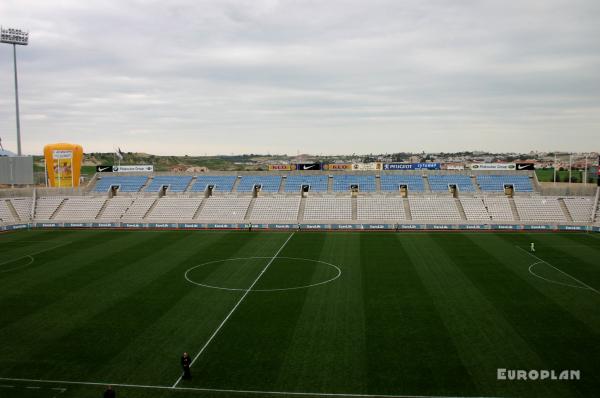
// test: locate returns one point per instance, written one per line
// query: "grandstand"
(497, 183)
(344, 182)
(174, 183)
(444, 182)
(219, 183)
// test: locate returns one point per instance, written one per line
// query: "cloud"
(310, 76)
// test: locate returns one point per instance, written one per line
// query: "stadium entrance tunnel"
(283, 274)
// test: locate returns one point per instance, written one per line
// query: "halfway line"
(235, 307)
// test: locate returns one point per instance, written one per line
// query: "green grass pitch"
(396, 314)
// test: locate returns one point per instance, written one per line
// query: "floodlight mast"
(15, 37)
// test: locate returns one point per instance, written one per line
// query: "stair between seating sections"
(513, 208)
(329, 185)
(282, 185)
(12, 210)
(249, 210)
(461, 209)
(235, 184)
(426, 184)
(199, 209)
(301, 209)
(104, 206)
(407, 213)
(565, 210)
(60, 206)
(151, 208)
(474, 182)
(354, 205)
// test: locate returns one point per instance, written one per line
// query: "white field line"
(559, 270)
(212, 336)
(30, 255)
(232, 391)
(550, 280)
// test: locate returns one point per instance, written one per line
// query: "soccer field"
(297, 314)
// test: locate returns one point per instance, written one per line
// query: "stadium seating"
(495, 183)
(115, 208)
(499, 208)
(440, 183)
(342, 183)
(46, 206)
(392, 182)
(380, 209)
(318, 183)
(268, 183)
(220, 183)
(174, 209)
(224, 209)
(475, 209)
(275, 208)
(22, 207)
(79, 209)
(6, 215)
(328, 208)
(541, 209)
(434, 209)
(138, 209)
(175, 183)
(125, 183)
(580, 209)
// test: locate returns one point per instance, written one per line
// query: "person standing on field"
(109, 392)
(186, 362)
(532, 247)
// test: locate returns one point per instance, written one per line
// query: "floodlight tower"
(14, 37)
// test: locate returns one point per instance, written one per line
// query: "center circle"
(338, 273)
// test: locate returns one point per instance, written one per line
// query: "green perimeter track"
(411, 314)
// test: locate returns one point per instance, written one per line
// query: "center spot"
(284, 273)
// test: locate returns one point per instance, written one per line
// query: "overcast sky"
(329, 77)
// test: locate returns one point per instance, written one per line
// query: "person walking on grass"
(109, 392)
(532, 247)
(186, 362)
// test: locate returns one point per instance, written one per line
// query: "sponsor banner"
(573, 227)
(77, 225)
(62, 154)
(141, 168)
(15, 227)
(190, 226)
(502, 227)
(493, 166)
(412, 166)
(339, 167)
(410, 226)
(472, 226)
(283, 226)
(379, 226)
(440, 226)
(228, 226)
(313, 226)
(525, 166)
(367, 166)
(105, 225)
(453, 166)
(47, 225)
(280, 167)
(308, 166)
(539, 227)
(133, 225)
(596, 229)
(104, 169)
(162, 225)
(346, 226)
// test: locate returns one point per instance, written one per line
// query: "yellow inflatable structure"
(63, 164)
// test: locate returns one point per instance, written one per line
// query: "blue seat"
(496, 183)
(392, 182)
(219, 183)
(175, 183)
(441, 182)
(342, 183)
(267, 183)
(318, 183)
(125, 183)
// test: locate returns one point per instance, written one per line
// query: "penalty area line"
(212, 336)
(233, 391)
(588, 287)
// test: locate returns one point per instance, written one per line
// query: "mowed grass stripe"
(538, 319)
(256, 335)
(326, 349)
